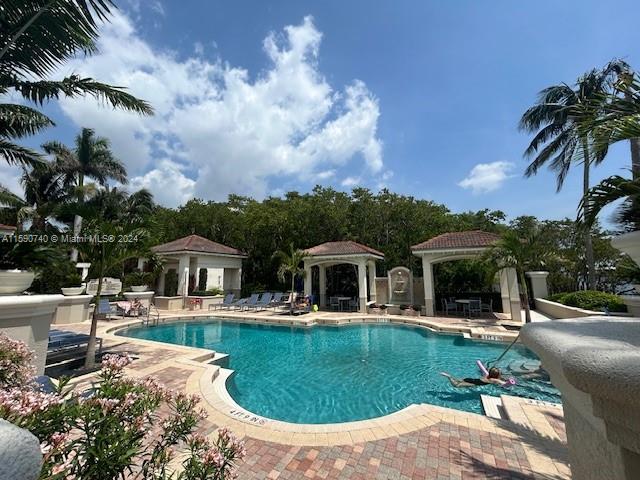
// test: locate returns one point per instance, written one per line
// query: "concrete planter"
(72, 291)
(558, 310)
(73, 309)
(628, 243)
(28, 318)
(203, 302)
(14, 282)
(169, 303)
(139, 288)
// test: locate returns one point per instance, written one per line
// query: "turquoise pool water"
(338, 374)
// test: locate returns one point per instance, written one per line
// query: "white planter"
(70, 291)
(15, 281)
(629, 243)
(138, 288)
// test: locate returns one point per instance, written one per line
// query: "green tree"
(521, 254)
(91, 158)
(290, 265)
(105, 254)
(36, 38)
(561, 139)
(44, 193)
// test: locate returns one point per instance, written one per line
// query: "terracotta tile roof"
(469, 239)
(6, 227)
(196, 243)
(342, 248)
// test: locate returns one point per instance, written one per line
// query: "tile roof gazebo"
(193, 253)
(459, 246)
(334, 253)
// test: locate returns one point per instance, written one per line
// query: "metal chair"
(334, 304)
(448, 305)
(474, 307)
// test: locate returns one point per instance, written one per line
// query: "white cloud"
(233, 134)
(167, 182)
(487, 177)
(350, 181)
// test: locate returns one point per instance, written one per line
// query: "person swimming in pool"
(493, 378)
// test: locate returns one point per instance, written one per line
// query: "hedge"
(590, 300)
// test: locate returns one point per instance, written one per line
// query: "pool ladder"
(153, 315)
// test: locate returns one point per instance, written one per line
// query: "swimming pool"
(337, 374)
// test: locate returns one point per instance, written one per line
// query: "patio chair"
(486, 307)
(264, 302)
(65, 342)
(277, 300)
(105, 308)
(354, 305)
(246, 302)
(227, 302)
(334, 304)
(449, 305)
(474, 307)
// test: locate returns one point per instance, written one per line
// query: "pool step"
(492, 407)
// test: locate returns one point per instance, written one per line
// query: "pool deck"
(420, 441)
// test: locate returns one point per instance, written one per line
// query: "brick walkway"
(456, 445)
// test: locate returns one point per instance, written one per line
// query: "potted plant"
(20, 262)
(73, 285)
(137, 281)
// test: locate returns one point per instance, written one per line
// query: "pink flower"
(115, 363)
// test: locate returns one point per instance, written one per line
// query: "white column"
(307, 280)
(362, 285)
(183, 274)
(538, 284)
(504, 291)
(160, 290)
(141, 262)
(429, 291)
(323, 286)
(372, 280)
(514, 295)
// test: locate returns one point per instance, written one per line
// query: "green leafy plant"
(591, 300)
(136, 278)
(73, 280)
(171, 283)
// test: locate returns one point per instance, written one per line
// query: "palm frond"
(75, 86)
(18, 121)
(606, 192)
(18, 155)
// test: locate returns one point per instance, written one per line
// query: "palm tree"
(36, 38)
(44, 194)
(608, 191)
(290, 265)
(521, 254)
(558, 121)
(90, 158)
(105, 255)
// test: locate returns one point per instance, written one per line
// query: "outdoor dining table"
(464, 302)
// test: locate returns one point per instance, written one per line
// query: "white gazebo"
(460, 246)
(335, 253)
(193, 253)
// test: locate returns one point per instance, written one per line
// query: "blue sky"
(262, 97)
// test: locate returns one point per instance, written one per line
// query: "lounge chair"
(248, 302)
(64, 342)
(227, 302)
(277, 300)
(105, 308)
(263, 303)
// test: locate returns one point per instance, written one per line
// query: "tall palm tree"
(521, 254)
(290, 265)
(36, 38)
(91, 158)
(44, 194)
(561, 140)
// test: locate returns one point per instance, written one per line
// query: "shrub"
(171, 283)
(591, 300)
(207, 293)
(73, 280)
(136, 278)
(125, 427)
